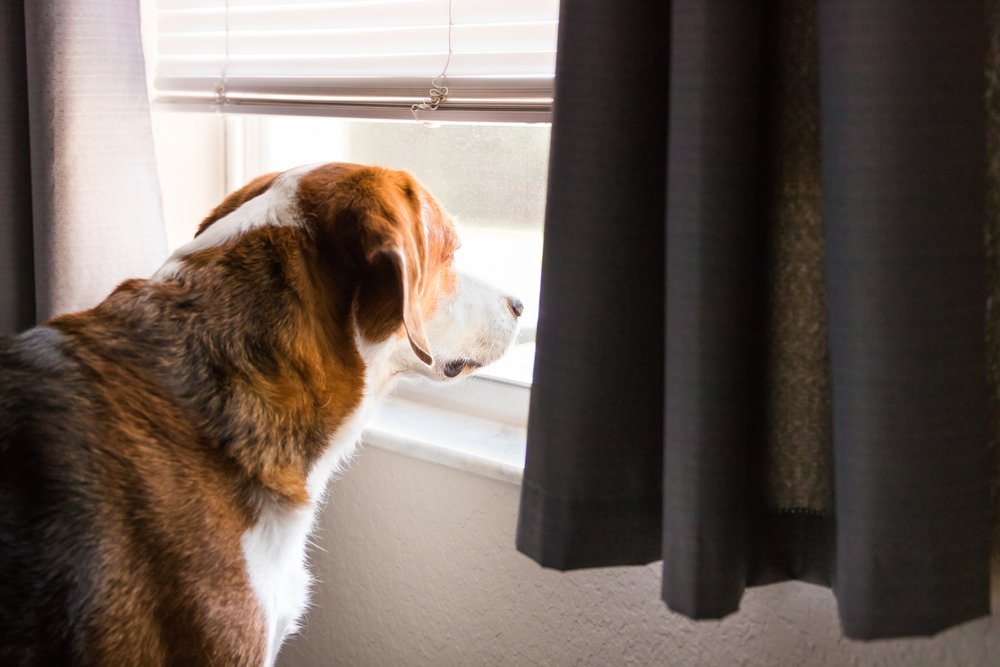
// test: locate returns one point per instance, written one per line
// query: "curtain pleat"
(17, 277)
(592, 489)
(903, 173)
(993, 266)
(822, 403)
(713, 306)
(95, 201)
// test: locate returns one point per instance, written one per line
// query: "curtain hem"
(569, 533)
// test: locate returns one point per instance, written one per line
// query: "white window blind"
(374, 58)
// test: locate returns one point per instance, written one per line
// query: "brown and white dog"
(162, 455)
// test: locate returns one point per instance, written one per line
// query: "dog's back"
(114, 549)
(46, 516)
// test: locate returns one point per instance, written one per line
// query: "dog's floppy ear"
(395, 254)
(397, 274)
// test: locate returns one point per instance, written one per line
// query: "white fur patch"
(275, 548)
(475, 324)
(278, 206)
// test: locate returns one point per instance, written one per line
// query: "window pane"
(491, 178)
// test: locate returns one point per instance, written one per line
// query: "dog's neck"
(271, 385)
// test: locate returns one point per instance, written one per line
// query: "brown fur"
(380, 213)
(139, 439)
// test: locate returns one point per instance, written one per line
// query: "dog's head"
(397, 245)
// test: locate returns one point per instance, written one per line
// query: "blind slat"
(360, 14)
(374, 14)
(516, 38)
(267, 74)
(369, 87)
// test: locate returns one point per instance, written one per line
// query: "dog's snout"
(515, 306)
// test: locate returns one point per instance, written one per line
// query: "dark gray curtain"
(761, 345)
(79, 195)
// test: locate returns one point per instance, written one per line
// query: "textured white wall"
(416, 566)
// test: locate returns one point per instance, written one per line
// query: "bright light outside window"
(491, 178)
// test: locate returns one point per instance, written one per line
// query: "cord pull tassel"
(435, 96)
(439, 91)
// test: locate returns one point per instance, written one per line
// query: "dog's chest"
(275, 547)
(275, 554)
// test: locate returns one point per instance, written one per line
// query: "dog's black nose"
(515, 306)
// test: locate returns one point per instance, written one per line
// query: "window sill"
(481, 446)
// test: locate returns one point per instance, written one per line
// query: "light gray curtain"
(79, 195)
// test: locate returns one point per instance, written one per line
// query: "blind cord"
(221, 93)
(438, 92)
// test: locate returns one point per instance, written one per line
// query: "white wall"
(416, 566)
(190, 150)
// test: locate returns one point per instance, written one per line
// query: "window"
(337, 81)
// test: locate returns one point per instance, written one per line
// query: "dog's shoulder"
(37, 378)
(39, 351)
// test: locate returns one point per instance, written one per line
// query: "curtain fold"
(712, 412)
(903, 148)
(17, 275)
(82, 209)
(801, 359)
(598, 486)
